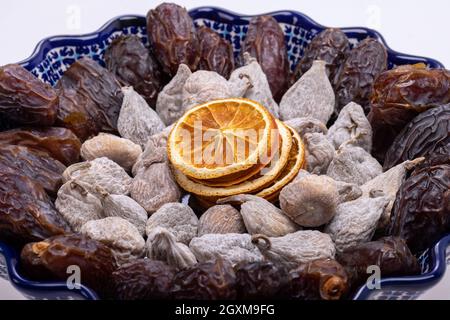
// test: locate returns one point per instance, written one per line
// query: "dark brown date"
(265, 41)
(421, 212)
(143, 279)
(399, 95)
(49, 260)
(34, 164)
(323, 279)
(89, 99)
(438, 157)
(59, 143)
(421, 137)
(172, 36)
(26, 212)
(216, 53)
(331, 46)
(206, 281)
(261, 280)
(134, 65)
(355, 81)
(24, 99)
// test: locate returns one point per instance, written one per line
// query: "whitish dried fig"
(221, 219)
(169, 105)
(310, 201)
(389, 183)
(250, 82)
(353, 165)
(117, 205)
(296, 248)
(77, 205)
(123, 238)
(262, 217)
(355, 222)
(307, 125)
(312, 95)
(178, 218)
(101, 172)
(137, 121)
(163, 246)
(351, 124)
(203, 86)
(319, 152)
(124, 152)
(233, 247)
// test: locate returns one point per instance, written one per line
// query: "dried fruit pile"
(298, 182)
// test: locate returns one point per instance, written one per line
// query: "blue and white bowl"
(54, 55)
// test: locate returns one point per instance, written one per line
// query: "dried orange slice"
(221, 137)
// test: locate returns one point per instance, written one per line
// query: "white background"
(417, 27)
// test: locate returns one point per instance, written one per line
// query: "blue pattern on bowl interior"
(54, 55)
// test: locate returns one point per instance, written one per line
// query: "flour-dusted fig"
(351, 125)
(177, 218)
(117, 205)
(312, 95)
(137, 121)
(233, 247)
(353, 165)
(101, 172)
(250, 82)
(124, 152)
(169, 105)
(306, 125)
(310, 201)
(163, 246)
(262, 217)
(355, 222)
(122, 237)
(319, 152)
(203, 86)
(221, 219)
(295, 248)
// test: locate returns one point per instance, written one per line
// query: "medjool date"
(355, 81)
(24, 99)
(265, 42)
(331, 46)
(421, 212)
(216, 53)
(171, 33)
(421, 137)
(401, 94)
(50, 259)
(89, 99)
(59, 143)
(26, 212)
(134, 65)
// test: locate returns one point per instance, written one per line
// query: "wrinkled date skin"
(134, 65)
(26, 212)
(421, 212)
(391, 254)
(355, 81)
(323, 279)
(59, 143)
(399, 95)
(143, 279)
(421, 137)
(171, 33)
(216, 53)
(206, 281)
(34, 164)
(24, 99)
(49, 260)
(89, 99)
(331, 46)
(265, 42)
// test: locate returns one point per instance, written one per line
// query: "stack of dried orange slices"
(233, 146)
